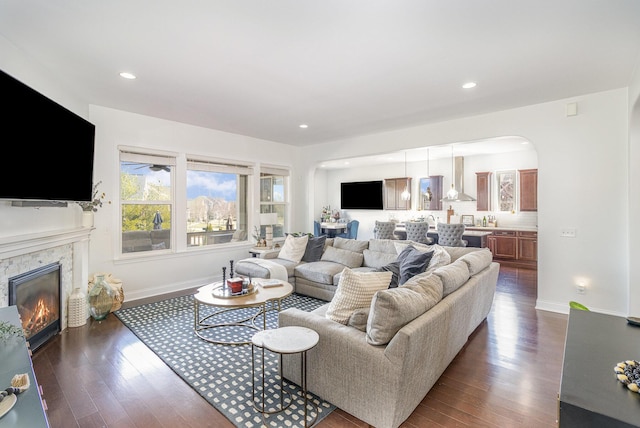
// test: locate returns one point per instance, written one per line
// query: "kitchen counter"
(514, 228)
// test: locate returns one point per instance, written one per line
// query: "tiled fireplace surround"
(24, 253)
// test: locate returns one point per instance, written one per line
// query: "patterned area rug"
(222, 374)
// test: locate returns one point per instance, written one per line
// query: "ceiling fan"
(152, 167)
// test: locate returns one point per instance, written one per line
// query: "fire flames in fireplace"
(37, 297)
(38, 319)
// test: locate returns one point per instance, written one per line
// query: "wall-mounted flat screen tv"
(361, 195)
(47, 149)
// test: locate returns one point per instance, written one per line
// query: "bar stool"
(283, 340)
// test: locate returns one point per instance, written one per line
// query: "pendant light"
(452, 193)
(405, 195)
(427, 193)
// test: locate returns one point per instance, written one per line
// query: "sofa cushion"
(347, 258)
(293, 248)
(355, 290)
(321, 272)
(412, 262)
(477, 261)
(378, 259)
(392, 309)
(383, 245)
(453, 276)
(440, 256)
(350, 244)
(315, 248)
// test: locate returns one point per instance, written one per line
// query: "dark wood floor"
(508, 375)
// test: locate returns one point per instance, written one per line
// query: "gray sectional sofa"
(385, 359)
(383, 384)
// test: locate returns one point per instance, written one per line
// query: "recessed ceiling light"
(127, 75)
(304, 126)
(469, 85)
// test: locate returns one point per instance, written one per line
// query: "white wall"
(144, 276)
(582, 184)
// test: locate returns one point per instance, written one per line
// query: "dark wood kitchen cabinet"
(528, 189)
(483, 181)
(393, 188)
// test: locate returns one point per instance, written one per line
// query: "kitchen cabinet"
(517, 248)
(527, 246)
(505, 244)
(483, 181)
(393, 188)
(528, 189)
(436, 190)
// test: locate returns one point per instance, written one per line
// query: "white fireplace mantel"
(28, 248)
(12, 246)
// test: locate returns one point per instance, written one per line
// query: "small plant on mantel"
(96, 200)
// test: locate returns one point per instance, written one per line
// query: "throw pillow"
(440, 256)
(394, 268)
(293, 248)
(393, 309)
(348, 258)
(355, 290)
(358, 319)
(314, 249)
(412, 262)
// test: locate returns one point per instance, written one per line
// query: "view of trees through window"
(146, 202)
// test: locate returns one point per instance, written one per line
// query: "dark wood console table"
(590, 394)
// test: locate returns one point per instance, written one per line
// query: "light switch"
(572, 109)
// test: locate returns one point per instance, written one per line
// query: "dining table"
(333, 229)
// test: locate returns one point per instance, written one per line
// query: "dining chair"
(352, 230)
(317, 230)
(384, 230)
(450, 235)
(417, 232)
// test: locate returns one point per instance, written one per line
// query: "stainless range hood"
(458, 182)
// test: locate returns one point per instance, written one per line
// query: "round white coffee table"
(283, 340)
(208, 295)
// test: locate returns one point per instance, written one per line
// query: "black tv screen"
(47, 149)
(361, 195)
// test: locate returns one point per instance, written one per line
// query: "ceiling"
(346, 68)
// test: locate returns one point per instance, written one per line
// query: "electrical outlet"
(580, 288)
(568, 233)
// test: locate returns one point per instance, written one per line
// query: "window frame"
(270, 206)
(223, 166)
(146, 156)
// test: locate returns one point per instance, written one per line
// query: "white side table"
(283, 340)
(264, 253)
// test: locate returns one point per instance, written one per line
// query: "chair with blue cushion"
(352, 230)
(317, 230)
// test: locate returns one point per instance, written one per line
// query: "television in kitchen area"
(47, 150)
(361, 195)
